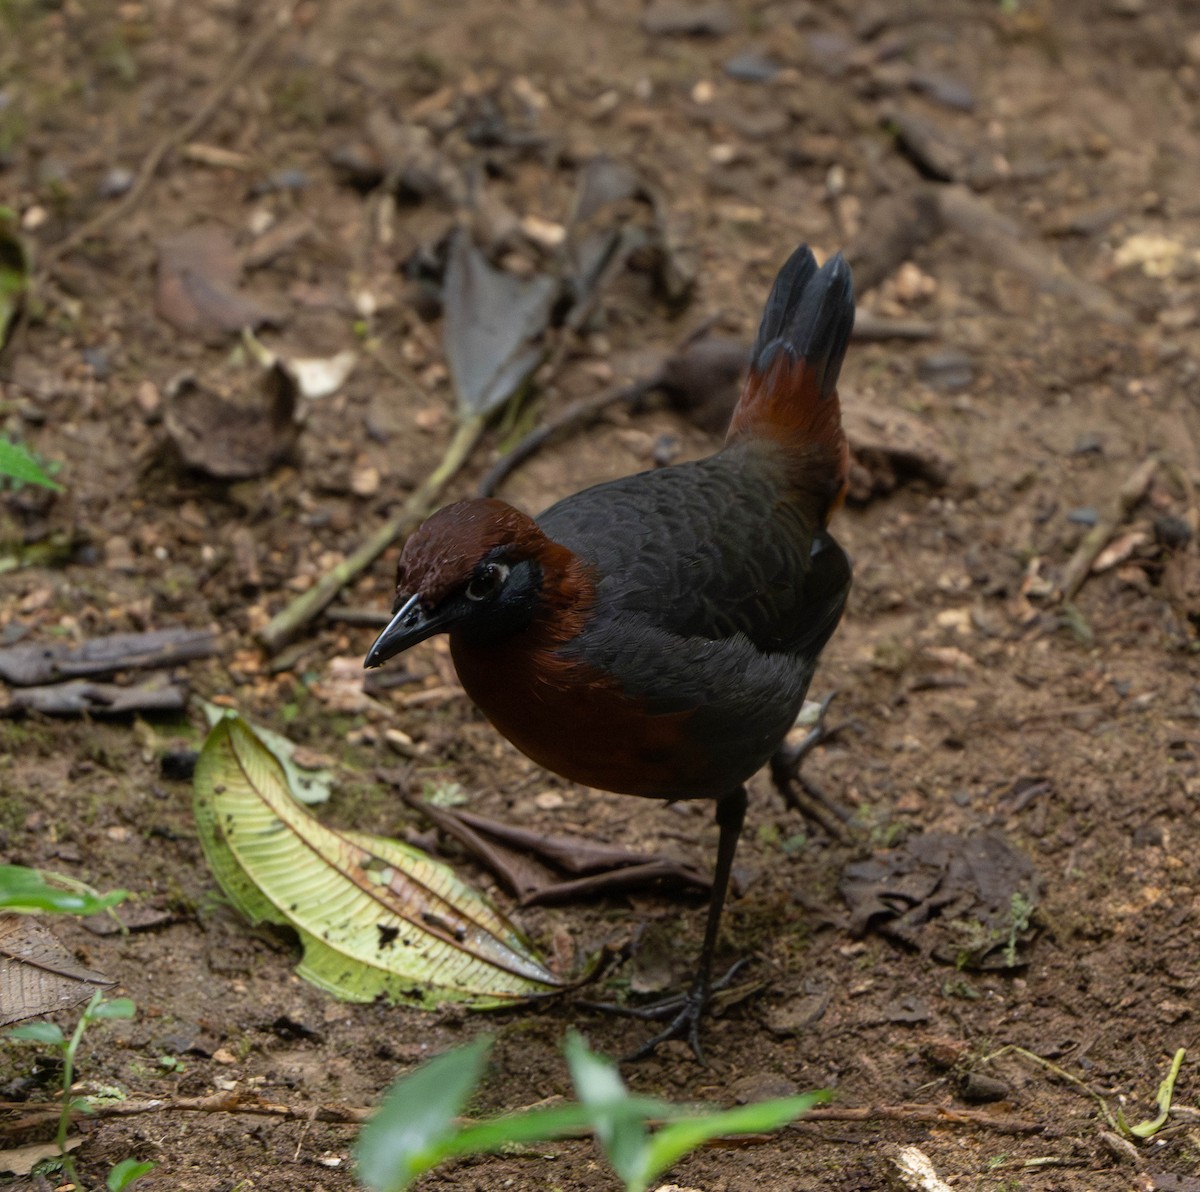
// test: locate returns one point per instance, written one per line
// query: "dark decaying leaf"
(525, 861)
(47, 662)
(494, 322)
(412, 163)
(37, 974)
(197, 293)
(965, 900)
(603, 181)
(232, 438)
(595, 260)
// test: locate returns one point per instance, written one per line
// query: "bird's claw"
(798, 792)
(684, 1009)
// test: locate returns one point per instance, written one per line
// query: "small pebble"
(178, 765)
(949, 92)
(669, 18)
(752, 67)
(148, 398)
(1172, 532)
(946, 370)
(116, 182)
(97, 360)
(1085, 515)
(281, 180)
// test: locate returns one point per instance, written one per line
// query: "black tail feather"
(809, 314)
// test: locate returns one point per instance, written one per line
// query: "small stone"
(430, 418)
(976, 1087)
(224, 1056)
(946, 370)
(912, 285)
(118, 554)
(116, 182)
(752, 67)
(97, 360)
(544, 233)
(148, 397)
(724, 154)
(364, 481)
(1085, 515)
(548, 800)
(671, 18)
(400, 742)
(1172, 532)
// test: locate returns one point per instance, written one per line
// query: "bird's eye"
(487, 581)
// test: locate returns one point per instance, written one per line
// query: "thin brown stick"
(253, 50)
(349, 1115)
(576, 416)
(941, 1114)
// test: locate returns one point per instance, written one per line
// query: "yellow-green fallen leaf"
(376, 918)
(305, 783)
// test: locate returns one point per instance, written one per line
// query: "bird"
(655, 635)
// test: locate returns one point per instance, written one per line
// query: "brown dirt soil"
(971, 698)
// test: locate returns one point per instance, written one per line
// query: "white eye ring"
(487, 581)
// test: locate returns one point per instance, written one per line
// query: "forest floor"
(1017, 186)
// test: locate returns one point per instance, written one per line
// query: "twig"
(287, 623)
(575, 417)
(1129, 494)
(231, 1102)
(1063, 1075)
(941, 1114)
(581, 414)
(349, 1115)
(253, 50)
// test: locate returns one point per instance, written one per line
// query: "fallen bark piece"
(47, 662)
(889, 446)
(81, 697)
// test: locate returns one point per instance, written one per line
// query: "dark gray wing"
(709, 550)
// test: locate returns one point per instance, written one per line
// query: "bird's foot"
(685, 1010)
(801, 794)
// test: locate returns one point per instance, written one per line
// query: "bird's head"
(475, 569)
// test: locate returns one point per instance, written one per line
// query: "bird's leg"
(801, 794)
(731, 811)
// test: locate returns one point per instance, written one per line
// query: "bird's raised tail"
(790, 396)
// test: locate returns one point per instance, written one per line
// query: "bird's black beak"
(409, 625)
